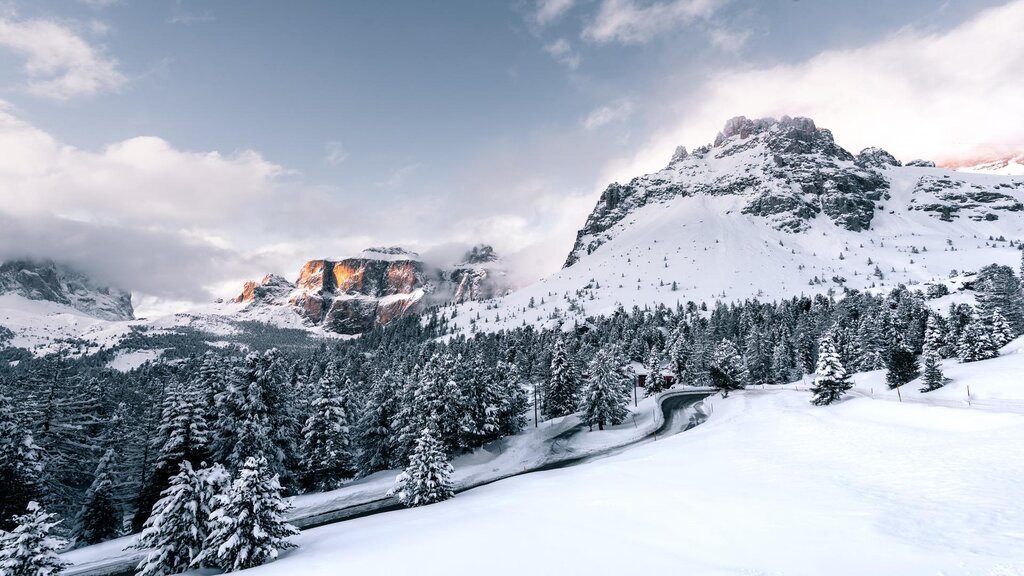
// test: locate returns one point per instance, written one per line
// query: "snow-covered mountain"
(51, 282)
(771, 209)
(352, 295)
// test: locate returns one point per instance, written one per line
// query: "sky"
(179, 148)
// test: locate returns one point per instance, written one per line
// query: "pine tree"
(30, 550)
(727, 369)
(933, 376)
(20, 466)
(514, 402)
(934, 335)
(327, 458)
(176, 530)
(976, 342)
(655, 381)
(562, 394)
(377, 426)
(902, 367)
(1000, 330)
(832, 381)
(999, 290)
(427, 478)
(605, 398)
(101, 516)
(247, 526)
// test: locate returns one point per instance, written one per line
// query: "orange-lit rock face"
(248, 292)
(388, 312)
(349, 277)
(401, 278)
(311, 277)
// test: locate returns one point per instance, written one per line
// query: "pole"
(536, 421)
(968, 394)
(898, 395)
(636, 386)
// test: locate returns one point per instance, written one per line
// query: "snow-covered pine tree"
(1000, 330)
(326, 446)
(376, 428)
(933, 376)
(901, 367)
(176, 531)
(562, 393)
(679, 353)
(513, 400)
(30, 550)
(101, 516)
(998, 289)
(20, 466)
(727, 369)
(832, 381)
(655, 383)
(934, 334)
(976, 341)
(427, 478)
(869, 342)
(247, 527)
(604, 398)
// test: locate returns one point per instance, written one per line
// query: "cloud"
(399, 177)
(549, 11)
(561, 50)
(181, 15)
(727, 39)
(632, 22)
(608, 114)
(60, 64)
(917, 93)
(98, 4)
(335, 153)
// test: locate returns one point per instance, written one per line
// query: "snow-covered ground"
(769, 485)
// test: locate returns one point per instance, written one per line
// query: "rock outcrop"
(47, 280)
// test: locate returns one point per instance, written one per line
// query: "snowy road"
(680, 410)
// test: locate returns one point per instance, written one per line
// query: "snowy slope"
(769, 485)
(727, 223)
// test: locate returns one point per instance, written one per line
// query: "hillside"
(772, 210)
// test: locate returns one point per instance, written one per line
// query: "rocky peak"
(921, 164)
(479, 254)
(876, 158)
(47, 280)
(270, 287)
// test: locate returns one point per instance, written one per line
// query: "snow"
(769, 485)
(128, 360)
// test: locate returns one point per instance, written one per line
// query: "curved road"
(681, 410)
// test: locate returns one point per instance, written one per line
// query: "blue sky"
(266, 133)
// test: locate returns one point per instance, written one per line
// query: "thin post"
(898, 395)
(536, 420)
(968, 394)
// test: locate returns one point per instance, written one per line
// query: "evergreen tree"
(563, 387)
(727, 369)
(101, 516)
(247, 526)
(933, 376)
(605, 398)
(999, 290)
(655, 381)
(902, 367)
(427, 478)
(832, 381)
(176, 530)
(20, 466)
(935, 335)
(326, 452)
(377, 426)
(976, 342)
(513, 400)
(30, 550)
(1000, 330)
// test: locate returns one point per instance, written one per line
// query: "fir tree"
(655, 381)
(934, 335)
(20, 466)
(247, 526)
(427, 478)
(326, 456)
(902, 367)
(176, 531)
(933, 376)
(976, 342)
(513, 400)
(30, 550)
(101, 516)
(376, 429)
(563, 387)
(605, 398)
(1000, 330)
(727, 369)
(832, 381)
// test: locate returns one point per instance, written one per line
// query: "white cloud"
(727, 39)
(98, 4)
(335, 153)
(60, 64)
(399, 177)
(608, 114)
(562, 51)
(632, 22)
(916, 93)
(549, 11)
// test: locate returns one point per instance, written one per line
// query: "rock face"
(353, 295)
(53, 282)
(787, 171)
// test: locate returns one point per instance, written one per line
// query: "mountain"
(771, 209)
(352, 295)
(51, 282)
(1009, 163)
